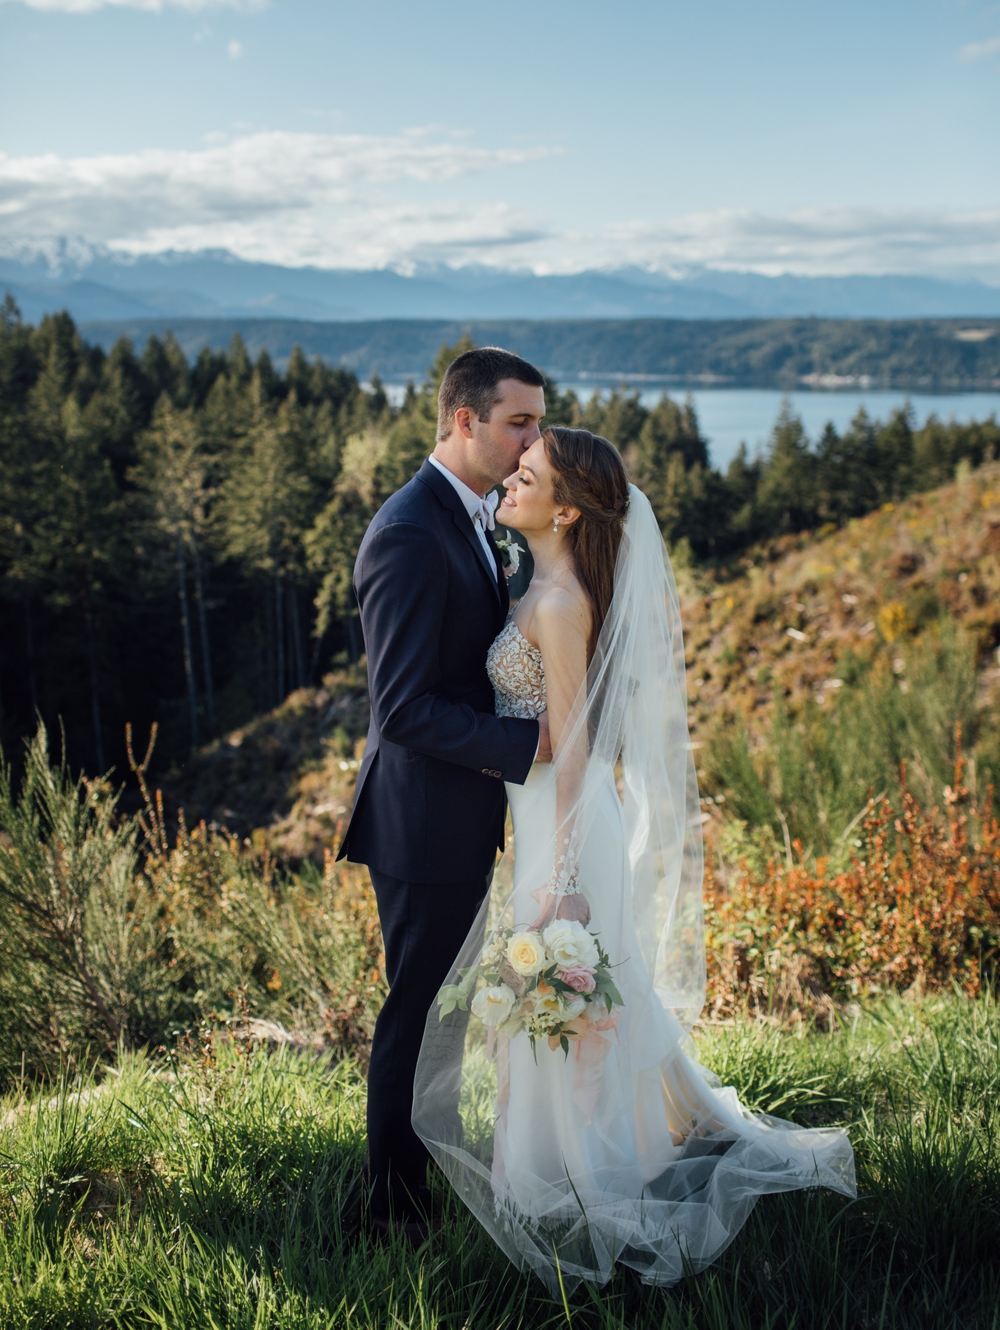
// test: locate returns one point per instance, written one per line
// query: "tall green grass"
(813, 775)
(218, 1188)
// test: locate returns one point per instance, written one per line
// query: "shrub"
(918, 907)
(114, 933)
(77, 925)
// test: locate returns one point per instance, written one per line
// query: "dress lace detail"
(516, 673)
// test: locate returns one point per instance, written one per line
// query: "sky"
(778, 136)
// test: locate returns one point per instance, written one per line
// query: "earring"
(555, 525)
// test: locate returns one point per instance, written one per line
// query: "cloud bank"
(363, 201)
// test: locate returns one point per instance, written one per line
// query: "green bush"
(112, 935)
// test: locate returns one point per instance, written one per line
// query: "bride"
(557, 1086)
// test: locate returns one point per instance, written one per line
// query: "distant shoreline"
(934, 355)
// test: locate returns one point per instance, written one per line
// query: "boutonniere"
(510, 555)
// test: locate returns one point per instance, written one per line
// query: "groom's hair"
(472, 379)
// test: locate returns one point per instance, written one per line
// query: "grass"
(217, 1188)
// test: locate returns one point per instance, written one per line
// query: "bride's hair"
(590, 475)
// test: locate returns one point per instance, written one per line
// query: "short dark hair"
(472, 379)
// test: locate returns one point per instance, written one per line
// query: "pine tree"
(267, 503)
(786, 495)
(172, 475)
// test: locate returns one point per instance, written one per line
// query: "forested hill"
(177, 539)
(905, 353)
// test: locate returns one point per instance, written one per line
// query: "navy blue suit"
(429, 807)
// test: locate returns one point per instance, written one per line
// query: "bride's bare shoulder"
(561, 610)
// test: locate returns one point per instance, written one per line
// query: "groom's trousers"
(423, 928)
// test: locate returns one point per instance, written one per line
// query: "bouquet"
(553, 983)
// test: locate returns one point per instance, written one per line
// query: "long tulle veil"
(630, 721)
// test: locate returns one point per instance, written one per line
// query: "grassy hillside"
(218, 1187)
(803, 616)
(288, 776)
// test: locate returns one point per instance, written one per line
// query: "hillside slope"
(803, 613)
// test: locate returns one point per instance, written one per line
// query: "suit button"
(488, 772)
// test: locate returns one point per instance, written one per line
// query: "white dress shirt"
(471, 502)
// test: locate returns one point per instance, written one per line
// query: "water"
(731, 416)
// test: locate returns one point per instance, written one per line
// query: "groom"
(429, 807)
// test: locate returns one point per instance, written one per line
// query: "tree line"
(177, 537)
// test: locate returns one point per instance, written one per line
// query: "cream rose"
(526, 953)
(569, 943)
(547, 1002)
(493, 1005)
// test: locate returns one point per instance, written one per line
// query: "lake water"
(731, 416)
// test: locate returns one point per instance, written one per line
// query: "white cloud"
(234, 49)
(150, 6)
(283, 197)
(980, 50)
(364, 201)
(808, 242)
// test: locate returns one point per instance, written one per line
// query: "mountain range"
(99, 285)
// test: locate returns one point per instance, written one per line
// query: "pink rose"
(579, 977)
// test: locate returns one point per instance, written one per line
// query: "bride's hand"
(574, 907)
(561, 907)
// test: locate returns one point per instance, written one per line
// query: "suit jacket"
(429, 804)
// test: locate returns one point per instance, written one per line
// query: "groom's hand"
(544, 753)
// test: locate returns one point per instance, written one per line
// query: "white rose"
(526, 953)
(569, 943)
(514, 553)
(493, 1005)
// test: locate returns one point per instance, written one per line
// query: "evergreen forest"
(177, 535)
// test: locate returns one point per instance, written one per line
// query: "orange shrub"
(918, 907)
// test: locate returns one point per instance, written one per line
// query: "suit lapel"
(447, 495)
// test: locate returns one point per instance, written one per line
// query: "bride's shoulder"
(561, 609)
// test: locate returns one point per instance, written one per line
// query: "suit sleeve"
(401, 584)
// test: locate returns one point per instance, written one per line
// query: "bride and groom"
(559, 1094)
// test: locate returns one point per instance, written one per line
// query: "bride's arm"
(561, 624)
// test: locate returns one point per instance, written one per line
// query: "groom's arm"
(401, 584)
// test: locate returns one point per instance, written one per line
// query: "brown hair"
(590, 475)
(472, 379)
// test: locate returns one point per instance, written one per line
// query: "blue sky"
(774, 136)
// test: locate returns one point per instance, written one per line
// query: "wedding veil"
(631, 716)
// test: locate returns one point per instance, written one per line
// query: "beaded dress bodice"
(516, 673)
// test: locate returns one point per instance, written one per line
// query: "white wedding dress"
(627, 1150)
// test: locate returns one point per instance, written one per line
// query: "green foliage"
(110, 935)
(76, 925)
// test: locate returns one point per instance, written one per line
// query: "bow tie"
(487, 510)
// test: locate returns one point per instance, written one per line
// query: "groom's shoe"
(415, 1222)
